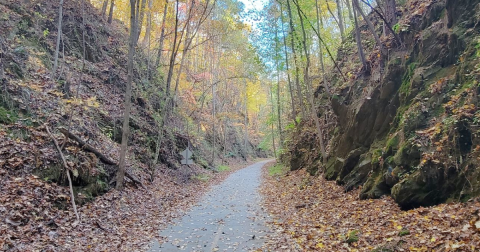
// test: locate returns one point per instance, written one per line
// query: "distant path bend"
(227, 218)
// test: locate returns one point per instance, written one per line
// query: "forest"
(239, 125)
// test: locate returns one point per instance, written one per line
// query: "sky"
(253, 4)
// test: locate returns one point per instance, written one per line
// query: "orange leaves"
(437, 87)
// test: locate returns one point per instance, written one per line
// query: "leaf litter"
(312, 214)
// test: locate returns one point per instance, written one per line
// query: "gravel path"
(227, 218)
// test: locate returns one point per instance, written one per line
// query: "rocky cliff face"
(411, 129)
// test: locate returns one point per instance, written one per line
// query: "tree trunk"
(140, 17)
(309, 88)
(370, 26)
(173, 54)
(389, 27)
(110, 14)
(273, 113)
(340, 19)
(320, 52)
(186, 45)
(349, 7)
(213, 124)
(146, 39)
(390, 15)
(246, 120)
(290, 87)
(128, 94)
(297, 70)
(104, 8)
(280, 134)
(359, 40)
(162, 36)
(335, 18)
(59, 35)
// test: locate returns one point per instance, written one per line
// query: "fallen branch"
(102, 157)
(68, 173)
(136, 181)
(87, 146)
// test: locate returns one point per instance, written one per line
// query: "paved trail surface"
(227, 218)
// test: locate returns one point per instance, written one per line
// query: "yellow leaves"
(319, 245)
(399, 227)
(255, 96)
(88, 103)
(55, 93)
(422, 249)
(92, 102)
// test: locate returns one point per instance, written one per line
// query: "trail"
(227, 218)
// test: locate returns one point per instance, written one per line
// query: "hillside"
(85, 98)
(409, 129)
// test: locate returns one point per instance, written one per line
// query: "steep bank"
(87, 98)
(408, 130)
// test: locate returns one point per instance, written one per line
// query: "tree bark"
(59, 35)
(128, 94)
(110, 13)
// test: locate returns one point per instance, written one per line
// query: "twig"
(68, 173)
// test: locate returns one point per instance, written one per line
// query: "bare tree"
(59, 35)
(128, 94)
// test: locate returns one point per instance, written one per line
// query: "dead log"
(87, 146)
(102, 157)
